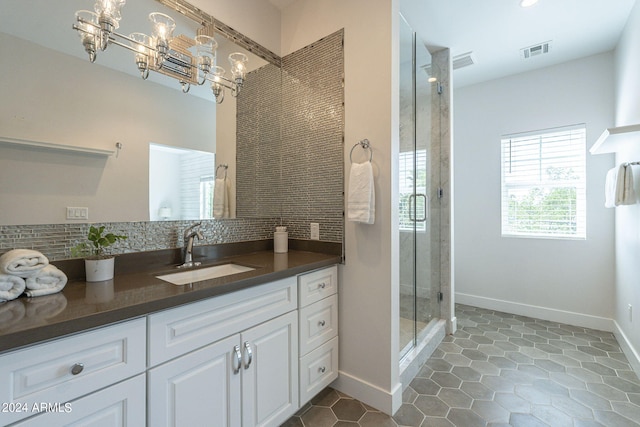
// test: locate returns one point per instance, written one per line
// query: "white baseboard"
(383, 400)
(544, 313)
(627, 348)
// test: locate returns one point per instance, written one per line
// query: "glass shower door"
(419, 178)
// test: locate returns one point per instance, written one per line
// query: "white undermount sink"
(190, 276)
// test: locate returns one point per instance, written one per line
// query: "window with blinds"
(543, 183)
(413, 172)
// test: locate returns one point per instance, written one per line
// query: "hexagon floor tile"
(502, 369)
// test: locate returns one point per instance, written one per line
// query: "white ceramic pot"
(99, 270)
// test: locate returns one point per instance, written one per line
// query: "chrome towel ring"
(365, 146)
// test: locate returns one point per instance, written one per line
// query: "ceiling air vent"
(535, 50)
(463, 60)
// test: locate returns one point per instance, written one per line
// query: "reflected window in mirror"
(181, 183)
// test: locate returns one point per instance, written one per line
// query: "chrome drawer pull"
(322, 285)
(322, 323)
(247, 347)
(77, 368)
(322, 369)
(236, 369)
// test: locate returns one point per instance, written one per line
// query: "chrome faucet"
(189, 235)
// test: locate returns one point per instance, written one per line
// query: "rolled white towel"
(48, 280)
(11, 287)
(22, 262)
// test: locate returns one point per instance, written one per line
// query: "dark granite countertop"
(82, 306)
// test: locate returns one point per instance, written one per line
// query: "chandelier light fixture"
(190, 61)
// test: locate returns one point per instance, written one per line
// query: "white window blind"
(543, 183)
(412, 174)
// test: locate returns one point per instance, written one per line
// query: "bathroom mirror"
(53, 94)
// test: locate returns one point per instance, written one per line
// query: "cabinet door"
(199, 388)
(270, 372)
(117, 406)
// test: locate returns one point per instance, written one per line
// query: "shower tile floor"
(502, 369)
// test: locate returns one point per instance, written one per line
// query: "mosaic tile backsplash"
(55, 240)
(294, 168)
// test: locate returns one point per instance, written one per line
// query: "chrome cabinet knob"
(322, 369)
(322, 323)
(77, 368)
(322, 285)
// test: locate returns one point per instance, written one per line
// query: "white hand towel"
(11, 287)
(610, 188)
(625, 194)
(362, 196)
(221, 191)
(22, 262)
(47, 281)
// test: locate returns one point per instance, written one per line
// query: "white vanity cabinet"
(318, 319)
(249, 378)
(46, 379)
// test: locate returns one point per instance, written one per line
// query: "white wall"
(627, 112)
(369, 279)
(257, 19)
(564, 280)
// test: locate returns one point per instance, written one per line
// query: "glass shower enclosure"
(419, 191)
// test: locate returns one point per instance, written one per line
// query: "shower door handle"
(426, 207)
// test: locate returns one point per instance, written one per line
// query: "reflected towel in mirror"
(221, 190)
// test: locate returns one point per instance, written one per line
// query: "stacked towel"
(221, 190)
(362, 196)
(22, 262)
(48, 280)
(11, 287)
(26, 269)
(619, 188)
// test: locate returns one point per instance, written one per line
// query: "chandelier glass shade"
(193, 61)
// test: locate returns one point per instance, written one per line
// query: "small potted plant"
(98, 265)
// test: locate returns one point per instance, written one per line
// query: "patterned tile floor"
(499, 370)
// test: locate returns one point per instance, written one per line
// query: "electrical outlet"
(630, 313)
(77, 213)
(315, 231)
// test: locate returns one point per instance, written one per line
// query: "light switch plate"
(77, 213)
(315, 231)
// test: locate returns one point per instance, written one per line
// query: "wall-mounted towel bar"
(225, 167)
(365, 146)
(632, 163)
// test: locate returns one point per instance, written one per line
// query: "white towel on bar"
(221, 191)
(362, 197)
(48, 280)
(22, 262)
(619, 189)
(11, 287)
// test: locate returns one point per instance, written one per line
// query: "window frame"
(541, 189)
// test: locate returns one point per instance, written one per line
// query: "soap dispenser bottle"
(280, 240)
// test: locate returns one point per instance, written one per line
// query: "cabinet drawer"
(317, 285)
(318, 323)
(67, 368)
(183, 329)
(318, 369)
(120, 405)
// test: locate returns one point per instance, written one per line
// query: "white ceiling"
(496, 30)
